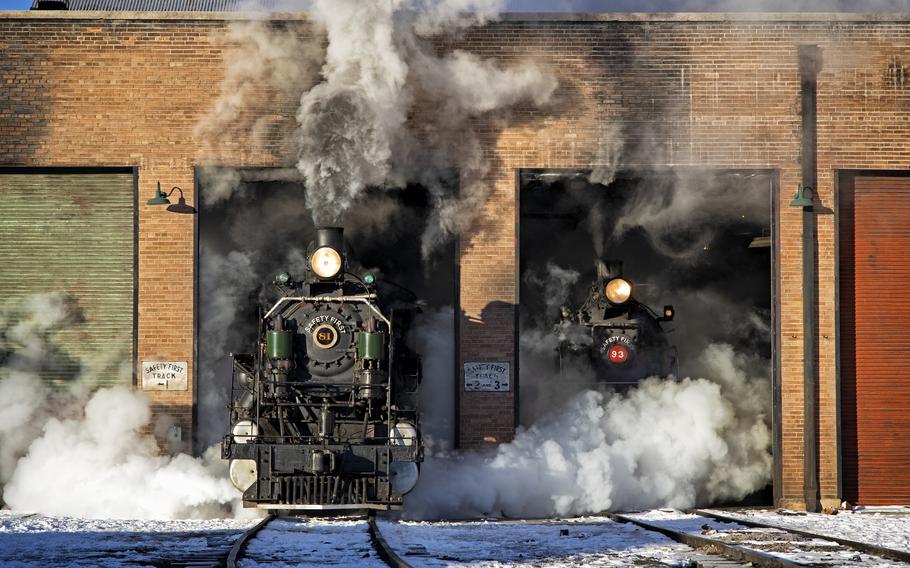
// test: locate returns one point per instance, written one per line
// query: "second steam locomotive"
(614, 334)
(324, 410)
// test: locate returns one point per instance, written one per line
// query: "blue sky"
(666, 5)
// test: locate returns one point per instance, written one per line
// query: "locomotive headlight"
(325, 262)
(618, 290)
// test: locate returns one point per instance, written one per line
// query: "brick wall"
(81, 91)
(127, 89)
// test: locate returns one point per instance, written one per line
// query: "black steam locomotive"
(617, 336)
(324, 411)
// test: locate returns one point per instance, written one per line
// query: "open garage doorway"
(690, 257)
(254, 224)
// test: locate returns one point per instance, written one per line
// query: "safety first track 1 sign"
(164, 375)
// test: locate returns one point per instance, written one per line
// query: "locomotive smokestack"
(332, 237)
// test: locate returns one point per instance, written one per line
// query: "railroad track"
(382, 546)
(759, 544)
(218, 555)
(867, 548)
(711, 546)
(717, 540)
(314, 537)
(237, 549)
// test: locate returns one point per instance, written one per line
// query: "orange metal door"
(875, 337)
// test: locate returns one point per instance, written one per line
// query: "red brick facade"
(126, 89)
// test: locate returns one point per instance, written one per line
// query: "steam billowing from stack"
(354, 126)
(382, 111)
(386, 111)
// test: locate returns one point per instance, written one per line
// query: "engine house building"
(97, 108)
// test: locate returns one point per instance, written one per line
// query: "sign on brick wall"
(486, 377)
(164, 375)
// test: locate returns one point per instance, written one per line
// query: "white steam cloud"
(664, 443)
(555, 286)
(227, 280)
(355, 127)
(101, 465)
(266, 66)
(434, 337)
(65, 451)
(680, 214)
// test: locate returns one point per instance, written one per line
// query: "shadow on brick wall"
(487, 417)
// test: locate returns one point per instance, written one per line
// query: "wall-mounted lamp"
(803, 197)
(161, 198)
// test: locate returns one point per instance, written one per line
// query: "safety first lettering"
(332, 320)
(164, 371)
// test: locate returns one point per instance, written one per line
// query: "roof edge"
(149, 15)
(506, 17)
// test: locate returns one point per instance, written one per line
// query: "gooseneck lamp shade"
(181, 207)
(802, 197)
(160, 197)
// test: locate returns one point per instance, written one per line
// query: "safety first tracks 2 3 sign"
(486, 377)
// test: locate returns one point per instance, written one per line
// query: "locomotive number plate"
(486, 377)
(618, 354)
(325, 336)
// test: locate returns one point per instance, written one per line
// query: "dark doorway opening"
(261, 227)
(700, 240)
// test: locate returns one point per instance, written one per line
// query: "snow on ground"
(816, 552)
(590, 541)
(883, 529)
(38, 541)
(33, 541)
(312, 542)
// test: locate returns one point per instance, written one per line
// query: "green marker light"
(369, 278)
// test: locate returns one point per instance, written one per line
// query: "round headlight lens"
(618, 290)
(326, 262)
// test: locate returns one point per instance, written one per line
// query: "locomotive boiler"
(324, 410)
(614, 334)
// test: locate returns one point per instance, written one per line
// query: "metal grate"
(322, 490)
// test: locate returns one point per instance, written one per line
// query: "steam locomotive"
(324, 411)
(617, 336)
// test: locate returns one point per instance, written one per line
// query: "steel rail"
(382, 546)
(240, 544)
(872, 549)
(756, 557)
